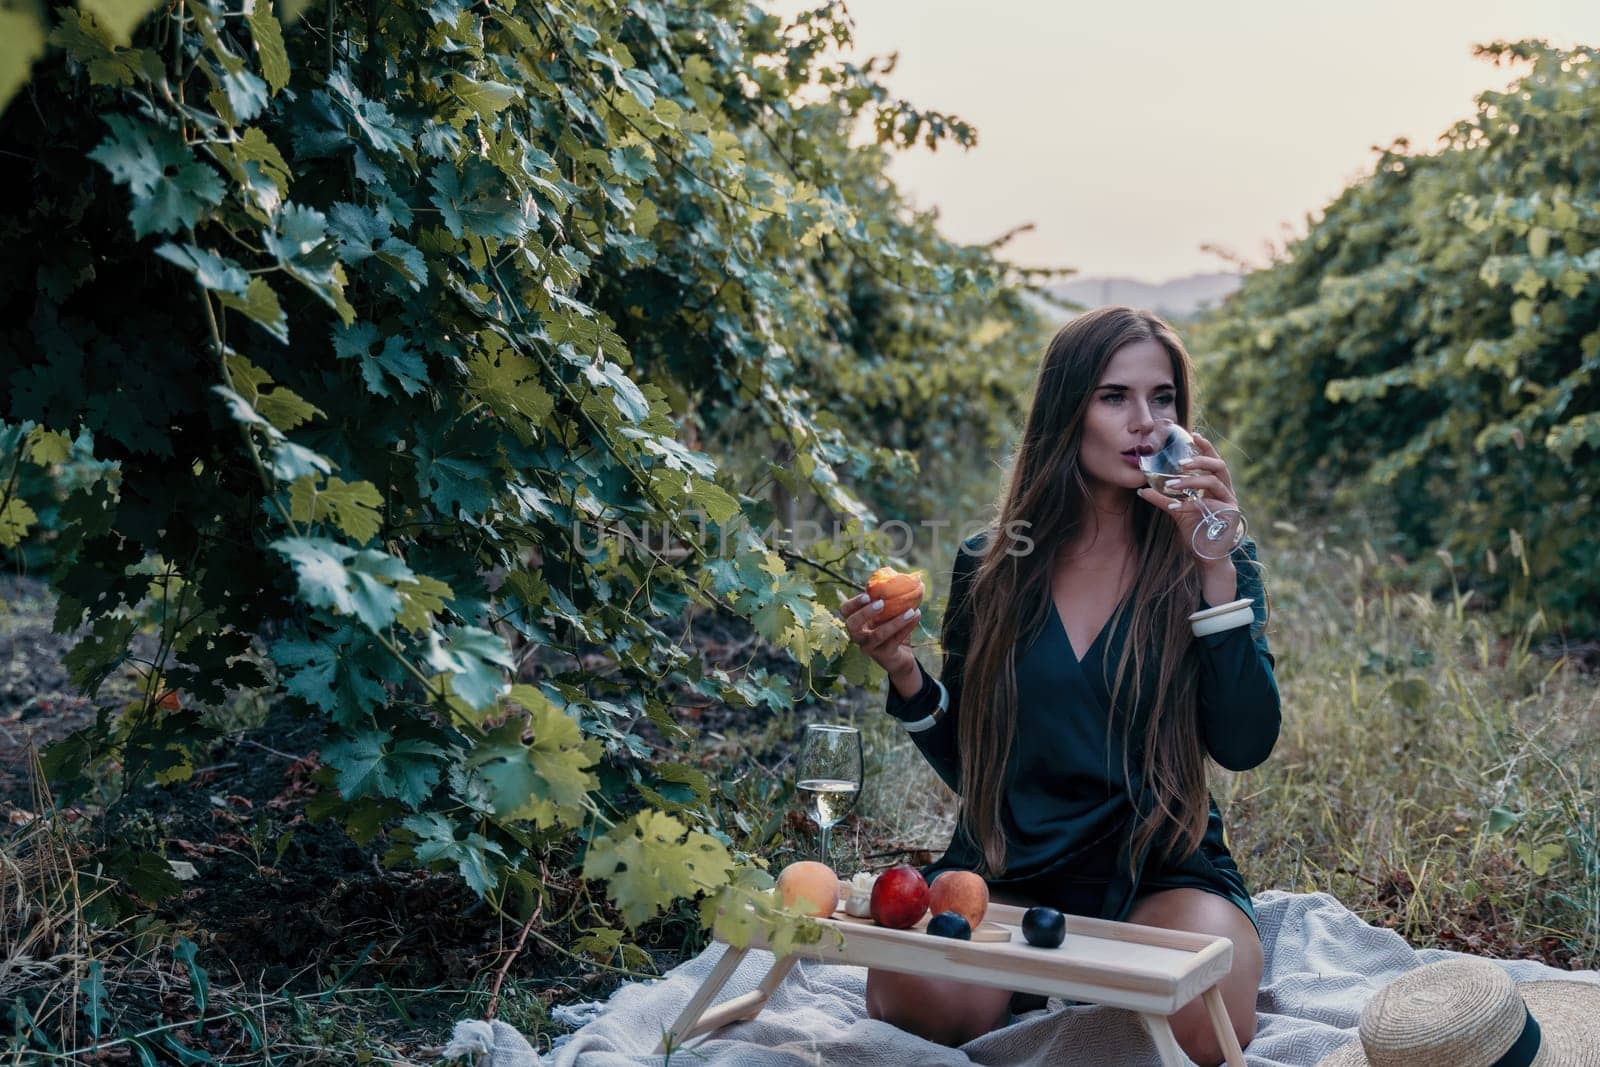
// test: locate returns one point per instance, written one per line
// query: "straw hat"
(1469, 1013)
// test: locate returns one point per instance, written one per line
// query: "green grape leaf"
(677, 787)
(100, 651)
(244, 96)
(346, 581)
(307, 252)
(396, 361)
(85, 40)
(170, 189)
(268, 37)
(328, 674)
(47, 446)
(673, 453)
(361, 231)
(120, 17)
(474, 856)
(371, 763)
(164, 747)
(473, 199)
(16, 519)
(476, 660)
(255, 147)
(146, 875)
(424, 597)
(485, 98)
(352, 506)
(509, 383)
(451, 476)
(300, 240)
(545, 780)
(404, 365)
(631, 163)
(651, 860)
(624, 393)
(289, 461)
(209, 269)
(1538, 242)
(282, 407)
(260, 303)
(719, 504)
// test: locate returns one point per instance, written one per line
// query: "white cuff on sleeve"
(938, 713)
(1222, 617)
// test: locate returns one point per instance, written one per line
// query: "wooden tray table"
(1146, 969)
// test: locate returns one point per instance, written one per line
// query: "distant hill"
(1180, 296)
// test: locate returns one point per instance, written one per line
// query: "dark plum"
(950, 924)
(1044, 927)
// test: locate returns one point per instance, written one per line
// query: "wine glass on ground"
(1221, 529)
(828, 776)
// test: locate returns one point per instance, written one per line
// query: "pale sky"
(1132, 133)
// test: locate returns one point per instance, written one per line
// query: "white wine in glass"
(1220, 529)
(827, 799)
(828, 776)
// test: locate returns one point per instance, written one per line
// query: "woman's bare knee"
(1193, 909)
(936, 1009)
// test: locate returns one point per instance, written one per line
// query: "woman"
(1076, 602)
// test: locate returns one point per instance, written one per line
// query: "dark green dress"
(1067, 808)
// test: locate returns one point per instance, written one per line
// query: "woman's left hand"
(1207, 472)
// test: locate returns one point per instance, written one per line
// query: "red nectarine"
(899, 897)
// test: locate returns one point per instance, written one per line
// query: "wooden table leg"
(731, 958)
(742, 1008)
(780, 971)
(1223, 1025)
(1166, 1042)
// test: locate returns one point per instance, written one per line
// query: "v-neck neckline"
(1061, 624)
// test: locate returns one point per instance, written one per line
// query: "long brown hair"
(1047, 498)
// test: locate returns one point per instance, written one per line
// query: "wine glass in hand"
(828, 776)
(1219, 529)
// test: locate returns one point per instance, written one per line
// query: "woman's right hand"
(886, 640)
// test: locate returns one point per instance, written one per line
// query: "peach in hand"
(899, 592)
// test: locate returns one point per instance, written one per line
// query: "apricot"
(810, 888)
(962, 892)
(898, 591)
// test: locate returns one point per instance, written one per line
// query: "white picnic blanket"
(1322, 963)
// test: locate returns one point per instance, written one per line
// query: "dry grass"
(83, 991)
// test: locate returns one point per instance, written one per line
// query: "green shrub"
(383, 313)
(1427, 352)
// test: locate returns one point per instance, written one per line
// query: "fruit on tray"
(1044, 927)
(858, 898)
(899, 897)
(810, 888)
(898, 591)
(950, 924)
(962, 892)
